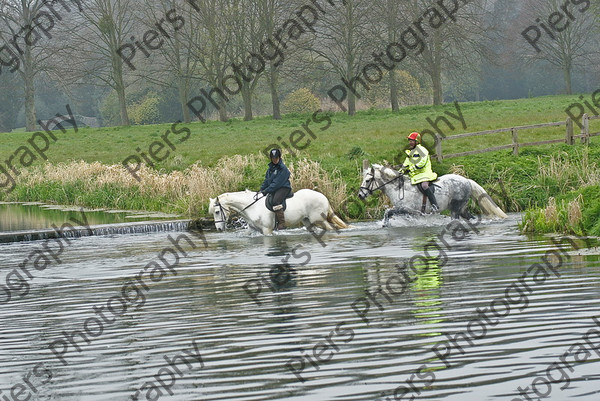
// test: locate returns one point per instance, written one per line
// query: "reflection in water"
(426, 290)
(246, 342)
(17, 217)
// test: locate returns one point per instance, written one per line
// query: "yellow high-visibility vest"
(419, 165)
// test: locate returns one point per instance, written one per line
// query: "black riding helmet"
(275, 153)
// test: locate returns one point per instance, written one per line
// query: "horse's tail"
(485, 202)
(335, 220)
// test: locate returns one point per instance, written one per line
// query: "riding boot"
(431, 196)
(280, 218)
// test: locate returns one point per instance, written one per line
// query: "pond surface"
(33, 216)
(305, 322)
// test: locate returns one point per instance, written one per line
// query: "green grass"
(588, 221)
(378, 135)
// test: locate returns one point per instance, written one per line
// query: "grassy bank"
(557, 186)
(85, 168)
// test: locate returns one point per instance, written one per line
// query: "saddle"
(269, 201)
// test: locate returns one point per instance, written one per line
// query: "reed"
(185, 192)
(564, 216)
(567, 173)
(575, 179)
(309, 174)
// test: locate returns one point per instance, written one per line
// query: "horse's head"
(371, 175)
(376, 177)
(220, 214)
(368, 183)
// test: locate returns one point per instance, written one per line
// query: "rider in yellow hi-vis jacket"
(418, 167)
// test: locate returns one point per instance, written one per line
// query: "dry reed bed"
(191, 187)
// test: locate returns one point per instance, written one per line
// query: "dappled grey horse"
(451, 190)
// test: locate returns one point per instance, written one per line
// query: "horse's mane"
(386, 172)
(226, 197)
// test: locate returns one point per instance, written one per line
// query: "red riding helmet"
(415, 136)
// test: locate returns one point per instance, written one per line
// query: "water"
(245, 346)
(32, 216)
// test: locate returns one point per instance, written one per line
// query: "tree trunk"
(394, 92)
(351, 103)
(29, 80)
(223, 111)
(117, 72)
(436, 70)
(123, 105)
(274, 84)
(183, 99)
(30, 118)
(247, 97)
(567, 74)
(436, 79)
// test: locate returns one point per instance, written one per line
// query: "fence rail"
(515, 145)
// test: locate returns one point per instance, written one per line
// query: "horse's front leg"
(386, 216)
(389, 213)
(398, 210)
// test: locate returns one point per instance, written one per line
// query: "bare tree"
(210, 42)
(173, 64)
(270, 13)
(387, 13)
(448, 42)
(247, 35)
(9, 85)
(25, 29)
(95, 40)
(569, 43)
(343, 41)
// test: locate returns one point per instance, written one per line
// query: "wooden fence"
(515, 145)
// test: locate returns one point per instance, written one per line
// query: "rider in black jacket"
(277, 185)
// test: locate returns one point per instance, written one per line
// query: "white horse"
(307, 207)
(452, 192)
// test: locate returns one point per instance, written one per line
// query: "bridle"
(222, 211)
(370, 190)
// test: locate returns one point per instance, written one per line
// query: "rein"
(218, 204)
(371, 191)
(253, 203)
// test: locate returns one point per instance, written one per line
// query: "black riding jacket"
(277, 176)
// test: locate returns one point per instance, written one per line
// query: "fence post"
(515, 138)
(438, 147)
(569, 138)
(586, 129)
